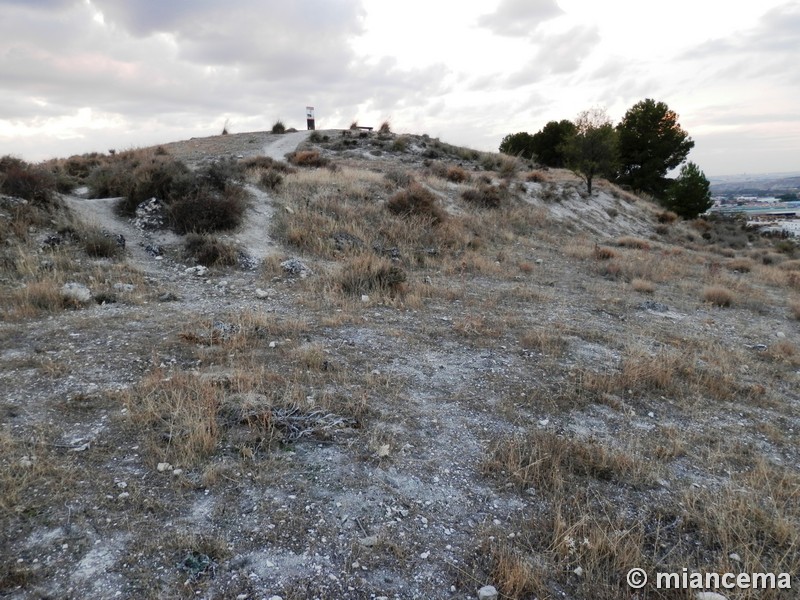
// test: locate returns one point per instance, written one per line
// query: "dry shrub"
(209, 251)
(368, 273)
(385, 128)
(667, 217)
(38, 296)
(456, 174)
(279, 127)
(793, 280)
(604, 253)
(536, 177)
(101, 245)
(742, 265)
(208, 211)
(23, 180)
(486, 196)
(794, 309)
(633, 242)
(416, 201)
(307, 158)
(644, 286)
(718, 296)
(791, 265)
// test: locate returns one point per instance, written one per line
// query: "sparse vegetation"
(426, 382)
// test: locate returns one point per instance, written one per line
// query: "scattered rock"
(150, 215)
(780, 335)
(346, 241)
(163, 466)
(246, 262)
(364, 298)
(154, 250)
(76, 292)
(124, 287)
(487, 592)
(262, 294)
(198, 271)
(735, 557)
(168, 297)
(578, 571)
(654, 306)
(296, 268)
(369, 541)
(26, 462)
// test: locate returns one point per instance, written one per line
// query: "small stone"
(163, 466)
(539, 261)
(369, 541)
(122, 485)
(198, 271)
(273, 344)
(424, 555)
(261, 294)
(735, 557)
(364, 298)
(124, 287)
(177, 472)
(26, 462)
(651, 414)
(709, 596)
(780, 335)
(296, 267)
(275, 598)
(578, 571)
(123, 496)
(487, 592)
(544, 422)
(383, 450)
(77, 292)
(167, 297)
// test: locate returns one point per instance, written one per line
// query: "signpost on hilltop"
(310, 118)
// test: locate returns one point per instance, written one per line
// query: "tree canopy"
(689, 194)
(518, 144)
(592, 149)
(651, 143)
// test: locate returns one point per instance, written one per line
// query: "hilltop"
(344, 364)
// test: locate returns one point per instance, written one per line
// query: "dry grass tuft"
(543, 460)
(633, 242)
(456, 174)
(368, 273)
(741, 265)
(667, 217)
(718, 296)
(604, 253)
(209, 251)
(643, 285)
(307, 158)
(794, 309)
(486, 196)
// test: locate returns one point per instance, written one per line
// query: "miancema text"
(702, 581)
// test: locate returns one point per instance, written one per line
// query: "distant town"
(770, 201)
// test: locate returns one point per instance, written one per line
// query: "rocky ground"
(551, 398)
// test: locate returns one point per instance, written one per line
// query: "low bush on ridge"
(417, 201)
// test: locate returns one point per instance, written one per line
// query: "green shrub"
(207, 211)
(23, 180)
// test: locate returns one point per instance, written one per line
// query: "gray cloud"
(557, 54)
(519, 17)
(768, 49)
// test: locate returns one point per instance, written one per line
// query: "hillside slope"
(428, 370)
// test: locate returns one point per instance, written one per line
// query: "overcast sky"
(89, 75)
